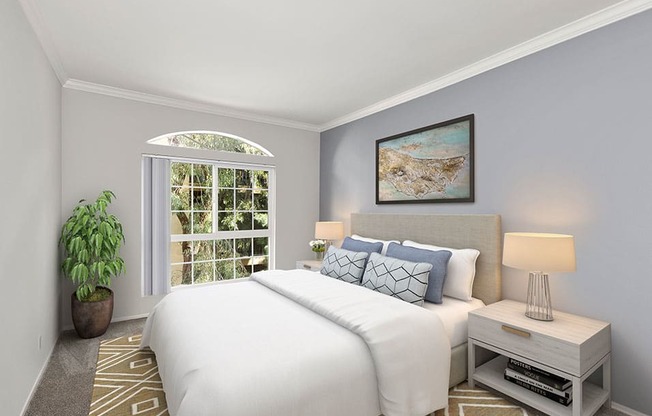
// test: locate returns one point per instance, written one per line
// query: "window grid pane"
(207, 198)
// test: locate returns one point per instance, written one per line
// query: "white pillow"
(373, 240)
(461, 269)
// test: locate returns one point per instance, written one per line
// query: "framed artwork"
(430, 164)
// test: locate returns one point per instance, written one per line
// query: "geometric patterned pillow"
(344, 264)
(438, 259)
(399, 278)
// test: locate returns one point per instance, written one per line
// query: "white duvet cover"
(294, 343)
(454, 314)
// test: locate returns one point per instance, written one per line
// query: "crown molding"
(45, 39)
(586, 24)
(75, 84)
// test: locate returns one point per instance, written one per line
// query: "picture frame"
(432, 164)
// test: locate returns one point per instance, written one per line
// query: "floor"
(65, 389)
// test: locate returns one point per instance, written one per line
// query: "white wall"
(103, 140)
(562, 144)
(30, 185)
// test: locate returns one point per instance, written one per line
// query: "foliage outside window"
(220, 221)
(211, 141)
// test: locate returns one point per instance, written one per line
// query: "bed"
(302, 344)
(482, 232)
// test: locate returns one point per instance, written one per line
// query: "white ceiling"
(304, 63)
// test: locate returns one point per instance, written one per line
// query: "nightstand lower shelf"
(490, 374)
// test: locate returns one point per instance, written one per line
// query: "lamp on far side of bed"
(329, 231)
(539, 252)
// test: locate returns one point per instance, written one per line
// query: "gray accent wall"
(563, 144)
(30, 211)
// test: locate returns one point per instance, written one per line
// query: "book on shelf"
(542, 376)
(566, 401)
(518, 376)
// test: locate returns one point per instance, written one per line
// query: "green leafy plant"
(91, 239)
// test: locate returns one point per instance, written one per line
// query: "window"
(221, 221)
(205, 220)
(211, 141)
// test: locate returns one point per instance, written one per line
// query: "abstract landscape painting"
(430, 164)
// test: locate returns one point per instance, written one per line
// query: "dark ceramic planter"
(91, 319)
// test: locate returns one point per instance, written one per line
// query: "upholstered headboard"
(482, 232)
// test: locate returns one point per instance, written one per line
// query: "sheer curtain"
(156, 226)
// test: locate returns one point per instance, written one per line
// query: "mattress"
(454, 314)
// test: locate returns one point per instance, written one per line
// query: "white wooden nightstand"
(571, 346)
(314, 265)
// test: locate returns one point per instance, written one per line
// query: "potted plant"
(91, 239)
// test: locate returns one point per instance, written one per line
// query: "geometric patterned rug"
(465, 401)
(127, 382)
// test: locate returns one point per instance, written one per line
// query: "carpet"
(127, 383)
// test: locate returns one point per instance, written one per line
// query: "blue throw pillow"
(352, 244)
(438, 259)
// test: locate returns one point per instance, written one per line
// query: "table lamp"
(539, 253)
(329, 231)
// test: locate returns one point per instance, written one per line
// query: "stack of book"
(539, 381)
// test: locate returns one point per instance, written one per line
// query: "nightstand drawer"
(313, 265)
(548, 351)
(559, 344)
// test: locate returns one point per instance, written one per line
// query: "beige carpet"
(127, 383)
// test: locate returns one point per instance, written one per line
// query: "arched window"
(206, 220)
(208, 140)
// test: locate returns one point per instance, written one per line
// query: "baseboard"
(129, 318)
(626, 410)
(38, 379)
(120, 319)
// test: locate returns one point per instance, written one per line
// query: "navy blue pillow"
(352, 244)
(438, 259)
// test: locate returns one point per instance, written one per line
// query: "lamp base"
(538, 306)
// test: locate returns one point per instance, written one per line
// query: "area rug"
(127, 383)
(465, 401)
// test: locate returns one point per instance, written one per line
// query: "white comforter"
(294, 343)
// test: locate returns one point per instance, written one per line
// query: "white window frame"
(270, 232)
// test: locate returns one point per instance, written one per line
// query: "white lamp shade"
(329, 230)
(539, 252)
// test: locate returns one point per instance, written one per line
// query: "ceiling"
(302, 63)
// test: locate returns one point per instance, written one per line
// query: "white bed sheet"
(324, 347)
(454, 314)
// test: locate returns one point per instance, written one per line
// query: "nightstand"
(571, 346)
(314, 265)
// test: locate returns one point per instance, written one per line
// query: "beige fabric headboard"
(482, 232)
